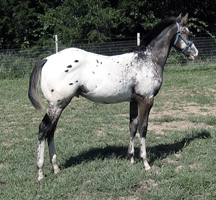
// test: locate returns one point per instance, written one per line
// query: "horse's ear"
(178, 19)
(184, 20)
(179, 16)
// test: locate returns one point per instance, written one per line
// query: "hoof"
(146, 165)
(132, 161)
(131, 157)
(40, 175)
(56, 170)
(40, 178)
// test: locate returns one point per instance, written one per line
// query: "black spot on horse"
(58, 100)
(52, 90)
(66, 71)
(101, 63)
(70, 83)
(77, 81)
(97, 61)
(76, 61)
(93, 72)
(69, 66)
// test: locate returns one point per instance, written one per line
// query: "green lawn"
(92, 140)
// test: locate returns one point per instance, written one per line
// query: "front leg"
(143, 153)
(133, 129)
(144, 107)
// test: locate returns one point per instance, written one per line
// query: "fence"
(18, 63)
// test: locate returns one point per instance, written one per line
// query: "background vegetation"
(33, 22)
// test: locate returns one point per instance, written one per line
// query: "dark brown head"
(182, 42)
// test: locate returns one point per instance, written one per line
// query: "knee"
(143, 129)
(133, 125)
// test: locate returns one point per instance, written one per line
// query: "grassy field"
(92, 140)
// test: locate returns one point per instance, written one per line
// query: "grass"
(92, 139)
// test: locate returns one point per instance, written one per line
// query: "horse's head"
(182, 42)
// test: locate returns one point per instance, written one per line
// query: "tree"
(88, 20)
(19, 24)
(33, 22)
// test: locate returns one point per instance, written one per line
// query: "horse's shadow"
(160, 151)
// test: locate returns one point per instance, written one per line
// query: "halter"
(179, 34)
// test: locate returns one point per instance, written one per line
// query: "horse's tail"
(33, 85)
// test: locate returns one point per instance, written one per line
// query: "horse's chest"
(148, 82)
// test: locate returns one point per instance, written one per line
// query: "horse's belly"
(109, 96)
(108, 86)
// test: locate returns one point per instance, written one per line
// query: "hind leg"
(52, 151)
(46, 132)
(40, 158)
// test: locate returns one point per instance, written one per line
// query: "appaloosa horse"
(135, 77)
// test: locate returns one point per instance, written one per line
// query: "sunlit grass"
(92, 140)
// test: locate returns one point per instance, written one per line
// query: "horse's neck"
(162, 44)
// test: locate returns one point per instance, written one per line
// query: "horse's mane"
(158, 28)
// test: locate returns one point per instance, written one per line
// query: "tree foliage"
(33, 22)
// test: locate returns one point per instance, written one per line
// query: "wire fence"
(18, 63)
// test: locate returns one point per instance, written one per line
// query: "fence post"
(138, 39)
(56, 43)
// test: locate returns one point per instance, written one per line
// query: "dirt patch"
(182, 113)
(130, 198)
(191, 167)
(142, 188)
(169, 160)
(100, 132)
(2, 166)
(162, 128)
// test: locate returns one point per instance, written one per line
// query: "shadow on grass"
(160, 151)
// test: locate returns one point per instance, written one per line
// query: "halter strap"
(179, 34)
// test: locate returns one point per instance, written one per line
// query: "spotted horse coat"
(135, 77)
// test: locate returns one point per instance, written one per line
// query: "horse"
(135, 77)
